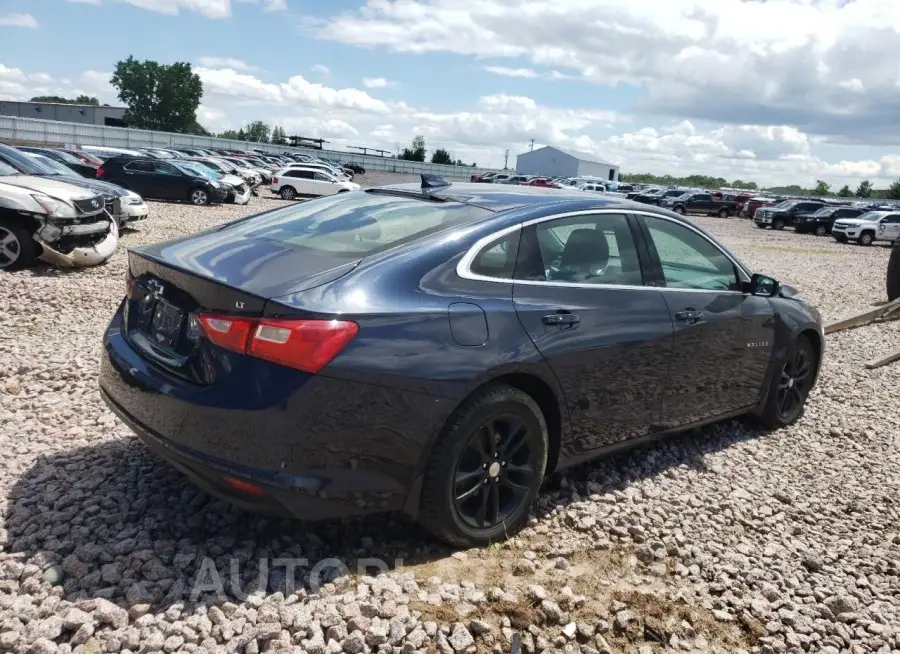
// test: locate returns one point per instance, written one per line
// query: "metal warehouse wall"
(546, 162)
(593, 169)
(50, 132)
(60, 112)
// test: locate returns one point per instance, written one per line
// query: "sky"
(774, 91)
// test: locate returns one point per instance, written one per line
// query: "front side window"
(690, 261)
(590, 249)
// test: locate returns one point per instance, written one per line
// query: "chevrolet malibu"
(438, 349)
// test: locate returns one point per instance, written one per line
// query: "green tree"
(230, 134)
(159, 96)
(894, 191)
(441, 156)
(258, 132)
(278, 136)
(864, 189)
(821, 188)
(416, 151)
(845, 192)
(241, 135)
(81, 99)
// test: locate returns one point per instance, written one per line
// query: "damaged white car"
(60, 223)
(237, 190)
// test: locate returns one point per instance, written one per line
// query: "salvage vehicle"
(868, 228)
(337, 174)
(701, 203)
(754, 203)
(820, 222)
(166, 180)
(119, 203)
(355, 167)
(60, 223)
(483, 178)
(237, 191)
(124, 206)
(251, 178)
(438, 349)
(308, 182)
(657, 199)
(70, 161)
(264, 173)
(782, 214)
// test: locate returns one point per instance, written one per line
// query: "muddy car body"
(60, 223)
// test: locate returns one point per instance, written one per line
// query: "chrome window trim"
(463, 267)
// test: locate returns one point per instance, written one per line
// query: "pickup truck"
(702, 203)
(782, 215)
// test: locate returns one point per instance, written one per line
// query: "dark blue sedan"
(439, 349)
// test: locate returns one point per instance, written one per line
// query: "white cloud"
(212, 119)
(525, 73)
(18, 20)
(268, 5)
(224, 62)
(377, 82)
(297, 90)
(208, 8)
(824, 66)
(321, 69)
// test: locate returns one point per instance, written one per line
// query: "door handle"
(689, 315)
(561, 319)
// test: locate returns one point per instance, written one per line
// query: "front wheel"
(723, 213)
(821, 230)
(199, 197)
(778, 224)
(840, 238)
(485, 471)
(866, 238)
(17, 248)
(680, 210)
(791, 386)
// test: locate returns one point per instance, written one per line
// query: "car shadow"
(112, 521)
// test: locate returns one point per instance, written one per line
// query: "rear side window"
(497, 259)
(356, 224)
(140, 166)
(589, 249)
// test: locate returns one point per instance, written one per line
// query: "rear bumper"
(320, 447)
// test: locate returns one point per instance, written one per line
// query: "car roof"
(505, 197)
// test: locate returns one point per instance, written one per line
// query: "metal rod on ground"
(864, 318)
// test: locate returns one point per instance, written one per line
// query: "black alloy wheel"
(485, 469)
(794, 384)
(494, 473)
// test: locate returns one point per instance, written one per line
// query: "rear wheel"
(790, 387)
(287, 193)
(17, 248)
(198, 196)
(485, 471)
(866, 238)
(821, 230)
(723, 213)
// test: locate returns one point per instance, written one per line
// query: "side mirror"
(762, 286)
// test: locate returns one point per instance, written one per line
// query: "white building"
(554, 162)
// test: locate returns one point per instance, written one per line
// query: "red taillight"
(100, 171)
(307, 345)
(244, 486)
(227, 331)
(274, 180)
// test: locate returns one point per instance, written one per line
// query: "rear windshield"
(356, 224)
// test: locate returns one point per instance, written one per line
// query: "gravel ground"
(725, 539)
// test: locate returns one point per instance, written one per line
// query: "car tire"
(680, 210)
(794, 379)
(778, 224)
(821, 230)
(893, 273)
(840, 239)
(466, 477)
(759, 225)
(17, 248)
(198, 196)
(287, 193)
(865, 238)
(723, 213)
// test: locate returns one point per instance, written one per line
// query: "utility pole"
(505, 159)
(531, 148)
